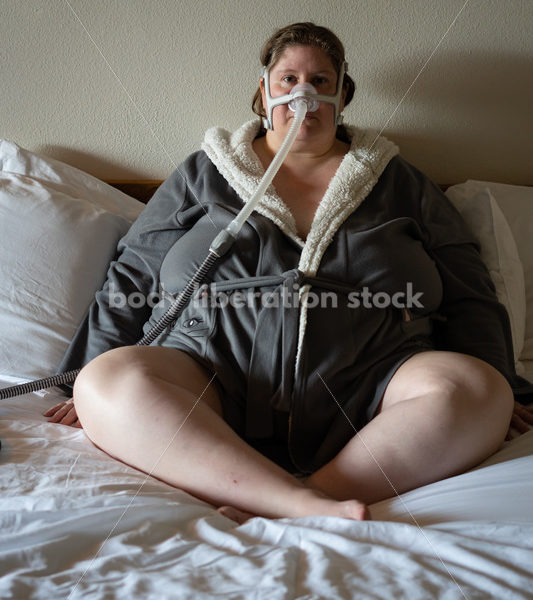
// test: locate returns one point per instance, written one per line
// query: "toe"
(239, 516)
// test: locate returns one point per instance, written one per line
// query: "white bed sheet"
(75, 523)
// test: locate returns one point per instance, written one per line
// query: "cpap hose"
(300, 104)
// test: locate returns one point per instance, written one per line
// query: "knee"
(106, 377)
(106, 390)
(465, 386)
(483, 391)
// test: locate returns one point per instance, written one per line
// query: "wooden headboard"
(141, 190)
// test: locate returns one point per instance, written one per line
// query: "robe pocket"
(194, 328)
(198, 319)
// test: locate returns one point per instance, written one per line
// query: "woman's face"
(303, 64)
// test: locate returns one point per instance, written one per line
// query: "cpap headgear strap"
(334, 99)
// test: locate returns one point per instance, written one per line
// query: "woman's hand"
(64, 413)
(521, 421)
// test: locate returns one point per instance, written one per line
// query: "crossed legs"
(157, 410)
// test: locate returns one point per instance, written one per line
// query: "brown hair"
(304, 34)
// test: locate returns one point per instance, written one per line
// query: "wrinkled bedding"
(76, 523)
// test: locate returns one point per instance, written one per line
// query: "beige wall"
(126, 88)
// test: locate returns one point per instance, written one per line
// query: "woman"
(365, 398)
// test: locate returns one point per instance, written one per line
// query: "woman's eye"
(289, 79)
(320, 81)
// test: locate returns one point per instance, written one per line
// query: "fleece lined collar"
(235, 159)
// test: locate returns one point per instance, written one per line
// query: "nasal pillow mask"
(306, 91)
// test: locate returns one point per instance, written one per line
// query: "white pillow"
(499, 253)
(59, 229)
(516, 202)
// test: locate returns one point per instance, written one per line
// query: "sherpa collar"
(369, 154)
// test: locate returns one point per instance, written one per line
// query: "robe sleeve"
(473, 321)
(124, 304)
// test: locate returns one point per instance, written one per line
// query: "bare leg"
(442, 413)
(141, 406)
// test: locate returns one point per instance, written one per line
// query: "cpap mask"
(303, 90)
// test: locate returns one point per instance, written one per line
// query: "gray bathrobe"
(303, 335)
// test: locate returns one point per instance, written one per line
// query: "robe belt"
(292, 277)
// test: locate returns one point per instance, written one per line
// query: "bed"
(75, 523)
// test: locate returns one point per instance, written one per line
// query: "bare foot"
(239, 516)
(314, 502)
(311, 503)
